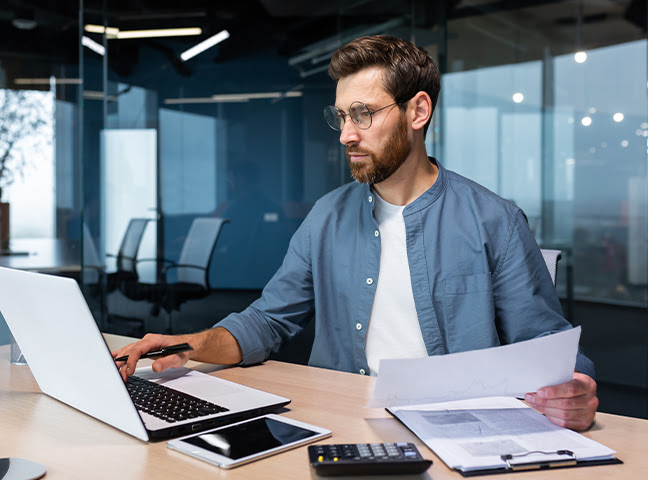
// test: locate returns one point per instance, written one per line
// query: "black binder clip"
(512, 465)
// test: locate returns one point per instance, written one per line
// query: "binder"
(499, 435)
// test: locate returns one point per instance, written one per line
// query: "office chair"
(191, 273)
(126, 257)
(551, 258)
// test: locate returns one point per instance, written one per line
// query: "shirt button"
(370, 199)
(358, 326)
(362, 371)
(369, 281)
(376, 233)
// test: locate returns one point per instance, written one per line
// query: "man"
(410, 260)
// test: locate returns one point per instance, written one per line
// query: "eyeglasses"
(359, 113)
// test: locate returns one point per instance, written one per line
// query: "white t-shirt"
(394, 330)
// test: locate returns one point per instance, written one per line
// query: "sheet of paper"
(510, 370)
(474, 434)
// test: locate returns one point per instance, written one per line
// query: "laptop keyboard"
(166, 403)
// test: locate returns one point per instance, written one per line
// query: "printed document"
(497, 433)
(510, 370)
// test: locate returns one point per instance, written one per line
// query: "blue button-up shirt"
(478, 277)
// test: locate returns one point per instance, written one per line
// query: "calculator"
(367, 459)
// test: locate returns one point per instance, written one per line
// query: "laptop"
(56, 332)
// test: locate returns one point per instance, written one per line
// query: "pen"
(170, 350)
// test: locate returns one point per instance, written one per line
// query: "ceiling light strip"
(180, 101)
(47, 81)
(234, 97)
(204, 45)
(313, 71)
(98, 95)
(161, 32)
(255, 96)
(112, 32)
(92, 45)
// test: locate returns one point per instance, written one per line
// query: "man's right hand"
(150, 343)
(215, 345)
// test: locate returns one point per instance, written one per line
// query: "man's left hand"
(572, 404)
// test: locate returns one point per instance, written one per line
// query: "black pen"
(181, 347)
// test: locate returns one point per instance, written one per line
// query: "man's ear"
(421, 110)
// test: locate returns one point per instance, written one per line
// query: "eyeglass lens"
(334, 117)
(359, 113)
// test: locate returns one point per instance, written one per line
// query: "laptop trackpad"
(194, 383)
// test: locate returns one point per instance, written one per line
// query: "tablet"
(244, 442)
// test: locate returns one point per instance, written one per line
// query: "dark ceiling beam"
(497, 7)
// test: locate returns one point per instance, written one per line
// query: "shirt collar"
(428, 197)
(431, 194)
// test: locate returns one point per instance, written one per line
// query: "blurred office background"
(112, 145)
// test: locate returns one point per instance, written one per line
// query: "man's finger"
(573, 388)
(170, 361)
(580, 419)
(577, 424)
(562, 403)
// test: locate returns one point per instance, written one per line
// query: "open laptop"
(56, 332)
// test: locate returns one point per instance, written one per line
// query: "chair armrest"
(181, 265)
(165, 270)
(112, 255)
(162, 260)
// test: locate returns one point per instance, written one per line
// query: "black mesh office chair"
(126, 257)
(188, 279)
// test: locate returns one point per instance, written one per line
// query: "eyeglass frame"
(343, 115)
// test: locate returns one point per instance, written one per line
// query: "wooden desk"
(75, 446)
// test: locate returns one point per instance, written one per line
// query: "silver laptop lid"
(51, 322)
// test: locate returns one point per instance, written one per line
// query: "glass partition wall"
(41, 221)
(543, 102)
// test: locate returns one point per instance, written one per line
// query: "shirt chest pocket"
(470, 312)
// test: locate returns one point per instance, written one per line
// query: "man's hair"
(408, 69)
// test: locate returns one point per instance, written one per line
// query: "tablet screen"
(250, 438)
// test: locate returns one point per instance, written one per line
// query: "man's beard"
(383, 164)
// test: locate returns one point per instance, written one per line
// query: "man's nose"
(349, 133)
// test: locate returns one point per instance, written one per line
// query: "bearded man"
(410, 260)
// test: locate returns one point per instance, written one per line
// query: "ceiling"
(46, 31)
(41, 35)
